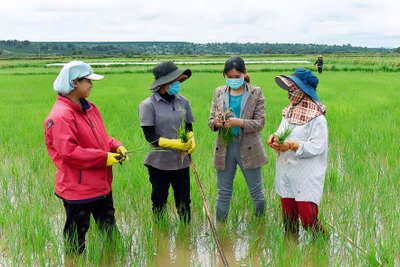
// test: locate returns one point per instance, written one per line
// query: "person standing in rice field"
(302, 158)
(246, 103)
(83, 154)
(319, 63)
(161, 115)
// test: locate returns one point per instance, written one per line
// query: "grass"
(360, 196)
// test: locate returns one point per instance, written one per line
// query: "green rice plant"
(182, 131)
(227, 135)
(225, 132)
(183, 134)
(285, 134)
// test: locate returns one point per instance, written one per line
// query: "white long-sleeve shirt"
(300, 174)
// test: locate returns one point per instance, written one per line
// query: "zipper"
(96, 135)
(80, 176)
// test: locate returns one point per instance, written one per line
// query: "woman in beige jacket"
(246, 104)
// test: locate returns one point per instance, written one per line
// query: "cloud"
(361, 23)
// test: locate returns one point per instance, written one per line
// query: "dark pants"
(161, 180)
(78, 220)
(320, 69)
(306, 211)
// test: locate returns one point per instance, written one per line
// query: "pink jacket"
(77, 142)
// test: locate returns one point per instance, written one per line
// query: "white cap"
(71, 71)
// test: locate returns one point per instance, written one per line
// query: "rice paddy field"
(360, 206)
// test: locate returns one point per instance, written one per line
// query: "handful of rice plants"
(121, 158)
(182, 131)
(183, 134)
(284, 134)
(226, 133)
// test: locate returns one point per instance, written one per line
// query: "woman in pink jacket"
(83, 154)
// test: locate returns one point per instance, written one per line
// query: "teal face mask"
(174, 88)
(235, 83)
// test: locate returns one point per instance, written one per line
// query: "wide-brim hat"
(304, 79)
(167, 72)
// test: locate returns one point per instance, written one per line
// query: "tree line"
(25, 48)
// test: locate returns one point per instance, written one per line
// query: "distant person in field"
(302, 158)
(83, 154)
(161, 114)
(319, 63)
(238, 115)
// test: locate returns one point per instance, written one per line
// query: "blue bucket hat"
(304, 79)
(75, 69)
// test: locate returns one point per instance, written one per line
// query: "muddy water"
(183, 249)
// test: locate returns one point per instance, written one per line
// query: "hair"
(238, 64)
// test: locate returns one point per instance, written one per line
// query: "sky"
(366, 23)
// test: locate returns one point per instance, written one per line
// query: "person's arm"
(317, 143)
(257, 122)
(189, 127)
(212, 119)
(150, 134)
(62, 137)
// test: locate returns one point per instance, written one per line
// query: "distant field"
(361, 190)
(348, 62)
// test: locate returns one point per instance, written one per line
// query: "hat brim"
(307, 89)
(94, 77)
(171, 77)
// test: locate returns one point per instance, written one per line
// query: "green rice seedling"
(121, 158)
(226, 133)
(182, 131)
(285, 134)
(183, 134)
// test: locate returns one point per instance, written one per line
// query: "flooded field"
(359, 208)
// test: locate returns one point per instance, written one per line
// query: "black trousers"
(78, 220)
(161, 180)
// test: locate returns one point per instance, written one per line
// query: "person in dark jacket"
(161, 114)
(83, 154)
(319, 63)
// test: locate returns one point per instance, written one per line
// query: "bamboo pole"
(220, 250)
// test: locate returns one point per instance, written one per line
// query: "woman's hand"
(234, 122)
(218, 123)
(273, 142)
(287, 145)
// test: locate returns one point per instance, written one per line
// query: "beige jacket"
(253, 113)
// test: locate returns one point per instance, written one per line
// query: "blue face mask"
(174, 88)
(235, 83)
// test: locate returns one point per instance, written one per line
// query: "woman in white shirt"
(302, 158)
